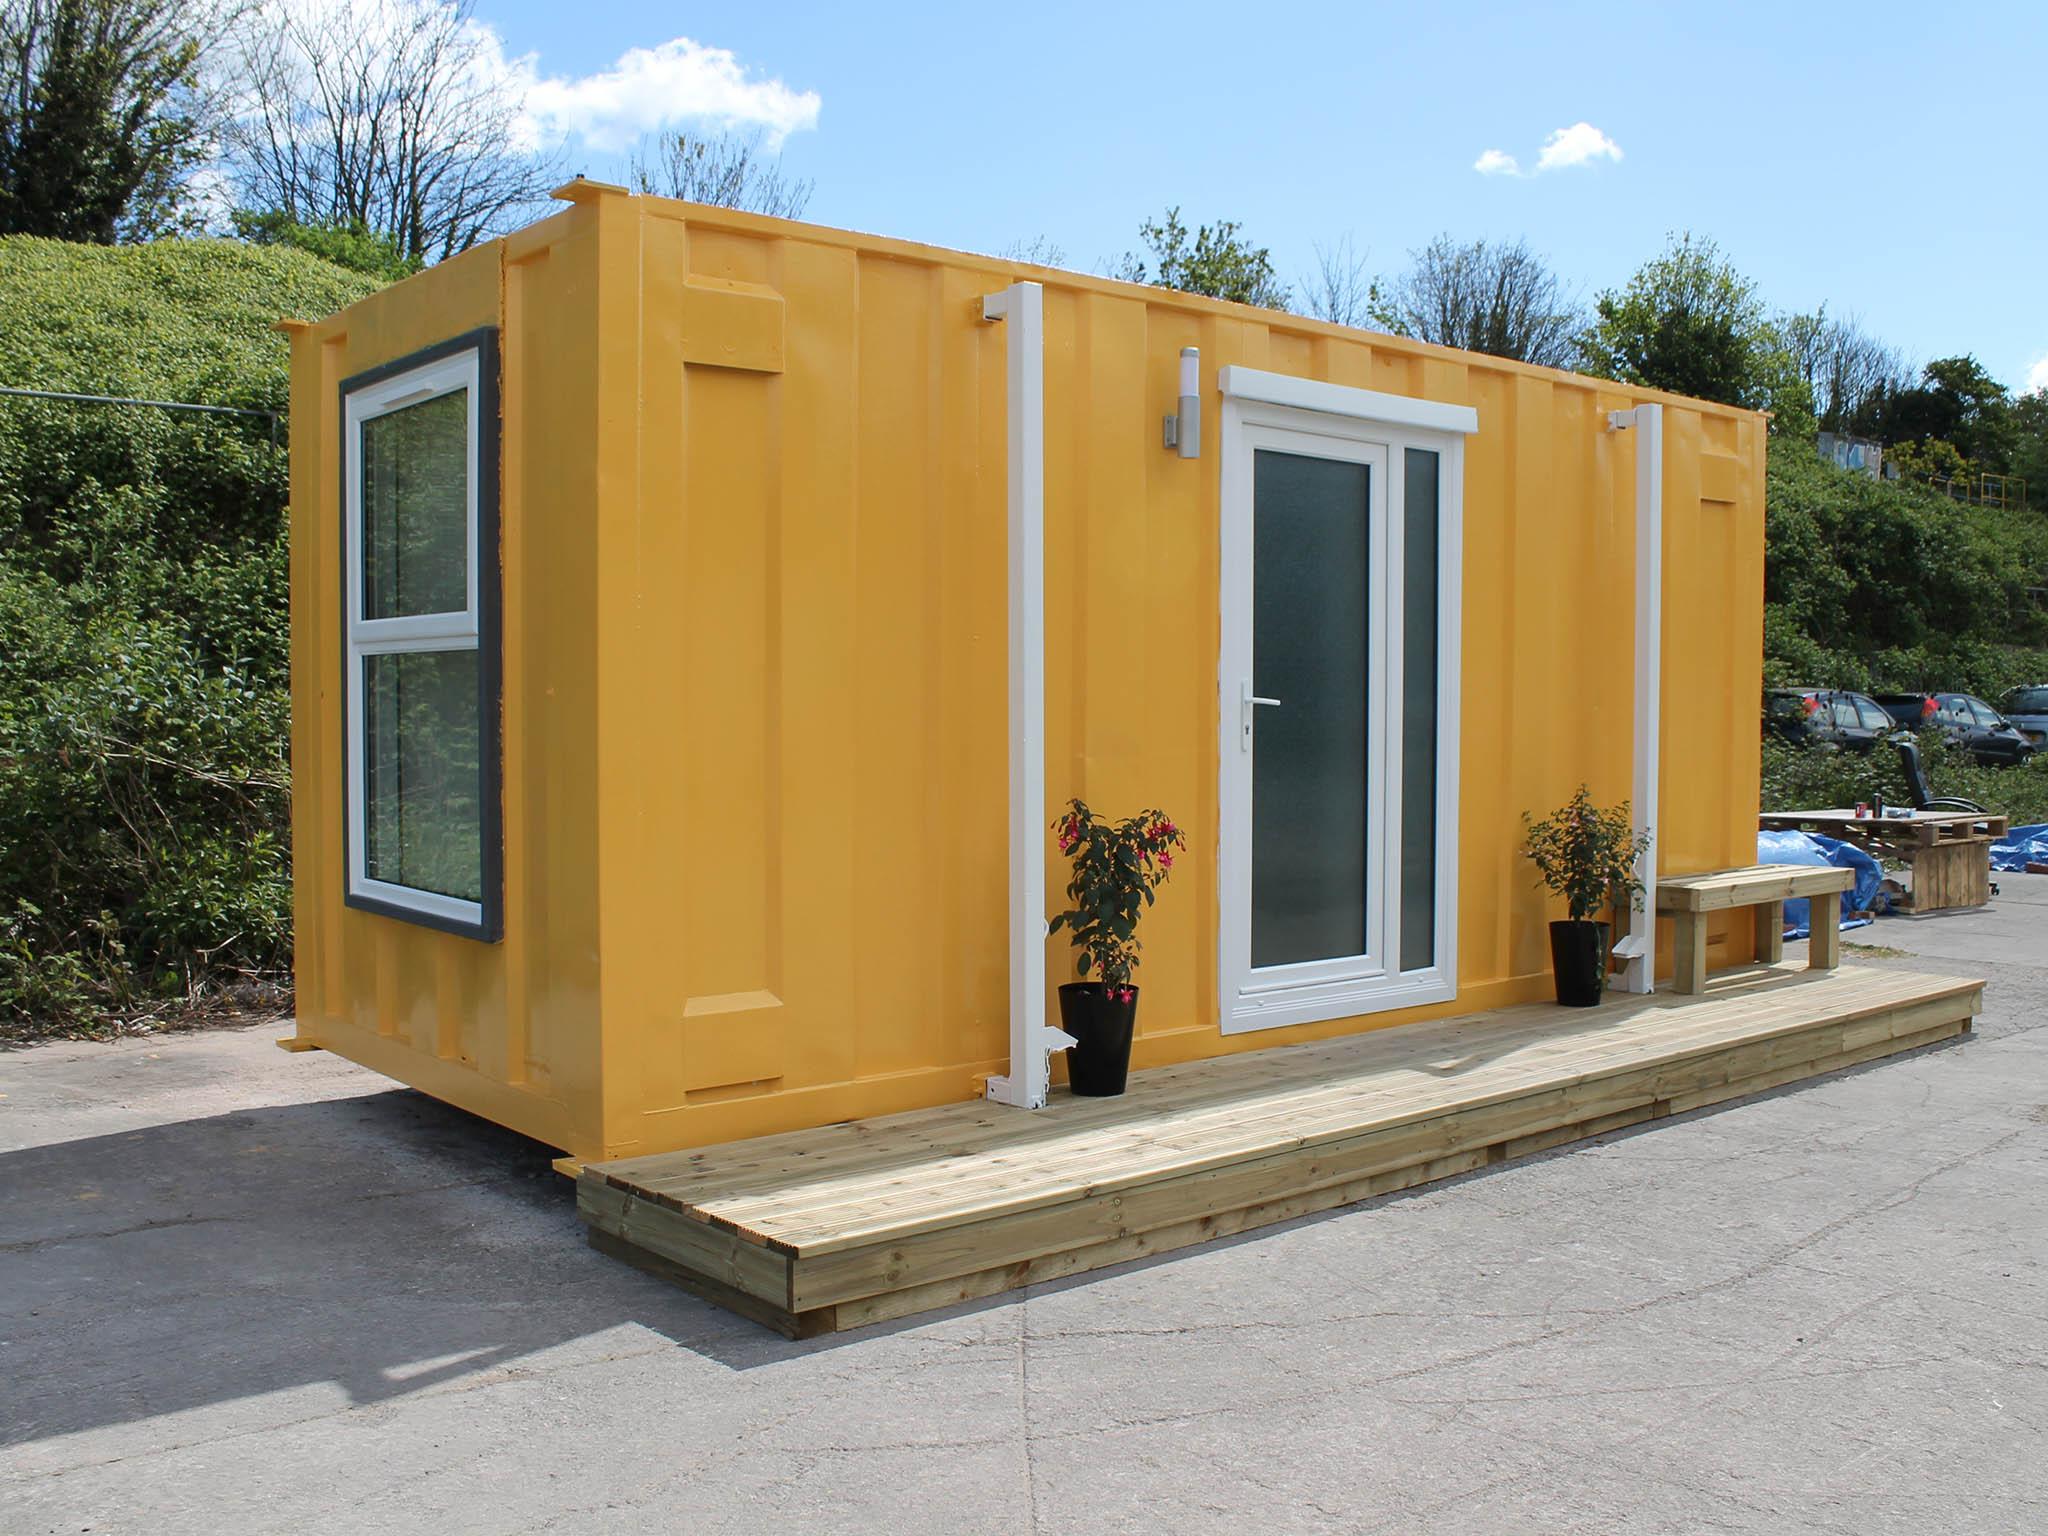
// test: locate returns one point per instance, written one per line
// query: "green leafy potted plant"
(1588, 855)
(1118, 866)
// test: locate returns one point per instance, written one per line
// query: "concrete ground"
(243, 1291)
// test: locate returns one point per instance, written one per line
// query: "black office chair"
(1916, 783)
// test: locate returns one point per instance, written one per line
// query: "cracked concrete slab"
(242, 1291)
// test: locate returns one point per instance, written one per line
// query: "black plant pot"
(1101, 1024)
(1578, 961)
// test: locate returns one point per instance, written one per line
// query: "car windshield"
(2027, 701)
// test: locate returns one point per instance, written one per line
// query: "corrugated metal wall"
(765, 463)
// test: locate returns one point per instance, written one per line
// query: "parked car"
(1965, 720)
(1825, 717)
(2027, 709)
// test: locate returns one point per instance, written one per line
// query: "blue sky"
(1886, 159)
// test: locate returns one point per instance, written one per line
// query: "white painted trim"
(1022, 309)
(1640, 946)
(432, 632)
(1241, 383)
(1367, 983)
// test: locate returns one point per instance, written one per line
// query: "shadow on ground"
(383, 1243)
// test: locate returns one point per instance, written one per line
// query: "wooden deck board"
(845, 1224)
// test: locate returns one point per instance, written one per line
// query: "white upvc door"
(1338, 684)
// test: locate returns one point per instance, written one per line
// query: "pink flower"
(1166, 861)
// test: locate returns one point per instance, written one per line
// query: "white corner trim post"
(1021, 307)
(1639, 948)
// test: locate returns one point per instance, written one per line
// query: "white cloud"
(646, 90)
(1580, 144)
(2037, 376)
(650, 89)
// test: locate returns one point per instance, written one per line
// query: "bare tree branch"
(1498, 299)
(385, 115)
(1341, 289)
(730, 170)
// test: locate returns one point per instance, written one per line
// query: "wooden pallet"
(844, 1225)
(1951, 874)
(1896, 836)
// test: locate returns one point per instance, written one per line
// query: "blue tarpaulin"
(2019, 848)
(1811, 848)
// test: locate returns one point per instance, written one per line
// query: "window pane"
(1418, 710)
(416, 509)
(423, 772)
(1310, 559)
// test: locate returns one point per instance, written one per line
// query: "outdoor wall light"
(1184, 431)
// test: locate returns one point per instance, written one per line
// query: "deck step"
(836, 1227)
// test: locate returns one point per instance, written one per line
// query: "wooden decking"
(848, 1224)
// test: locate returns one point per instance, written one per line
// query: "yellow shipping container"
(691, 528)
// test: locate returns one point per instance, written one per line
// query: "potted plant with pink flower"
(1118, 867)
(1589, 855)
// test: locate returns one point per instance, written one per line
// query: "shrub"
(1814, 778)
(1587, 854)
(1873, 585)
(1118, 868)
(144, 708)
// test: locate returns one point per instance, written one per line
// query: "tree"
(1844, 367)
(102, 117)
(1340, 290)
(383, 115)
(1038, 251)
(730, 171)
(1216, 260)
(1690, 323)
(353, 246)
(1499, 299)
(1956, 402)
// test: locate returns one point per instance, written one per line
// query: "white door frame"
(1276, 411)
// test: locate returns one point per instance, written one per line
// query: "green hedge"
(1878, 585)
(1806, 779)
(143, 678)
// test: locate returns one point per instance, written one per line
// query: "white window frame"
(457, 370)
(1280, 412)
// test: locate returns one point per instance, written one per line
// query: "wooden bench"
(1766, 887)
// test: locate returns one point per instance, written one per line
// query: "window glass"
(422, 775)
(1982, 713)
(1310, 579)
(2028, 701)
(415, 540)
(1845, 712)
(1418, 709)
(1873, 716)
(423, 772)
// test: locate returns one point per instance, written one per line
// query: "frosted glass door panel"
(1311, 576)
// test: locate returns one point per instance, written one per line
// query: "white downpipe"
(1021, 307)
(1640, 946)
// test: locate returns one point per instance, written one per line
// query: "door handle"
(1247, 702)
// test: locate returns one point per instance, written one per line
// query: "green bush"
(1813, 778)
(144, 706)
(1876, 585)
